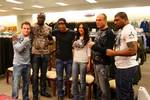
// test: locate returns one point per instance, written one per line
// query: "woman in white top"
(81, 62)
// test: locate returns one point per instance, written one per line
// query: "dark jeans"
(60, 67)
(18, 72)
(39, 62)
(102, 80)
(124, 83)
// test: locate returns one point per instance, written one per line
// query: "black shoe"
(60, 98)
(35, 98)
(45, 94)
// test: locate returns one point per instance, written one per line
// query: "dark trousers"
(39, 62)
(124, 83)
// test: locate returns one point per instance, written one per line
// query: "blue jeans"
(102, 80)
(18, 72)
(60, 66)
(39, 62)
(124, 83)
(79, 68)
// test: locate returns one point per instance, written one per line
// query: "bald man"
(104, 39)
(40, 55)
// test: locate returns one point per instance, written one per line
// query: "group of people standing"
(75, 52)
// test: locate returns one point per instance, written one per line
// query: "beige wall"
(21, 19)
(8, 20)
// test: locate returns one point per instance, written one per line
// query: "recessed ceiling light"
(16, 8)
(37, 6)
(1, 10)
(14, 1)
(91, 1)
(61, 4)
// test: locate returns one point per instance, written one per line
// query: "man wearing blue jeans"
(125, 51)
(21, 61)
(60, 67)
(64, 40)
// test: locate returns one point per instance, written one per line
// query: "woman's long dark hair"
(86, 33)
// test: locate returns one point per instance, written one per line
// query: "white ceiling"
(51, 6)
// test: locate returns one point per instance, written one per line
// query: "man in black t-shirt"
(64, 40)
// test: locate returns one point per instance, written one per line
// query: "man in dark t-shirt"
(104, 39)
(64, 40)
(64, 44)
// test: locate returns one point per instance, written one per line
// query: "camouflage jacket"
(40, 39)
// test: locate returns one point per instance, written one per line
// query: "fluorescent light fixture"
(14, 1)
(16, 8)
(91, 1)
(61, 4)
(1, 10)
(37, 6)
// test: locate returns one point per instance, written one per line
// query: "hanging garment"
(145, 26)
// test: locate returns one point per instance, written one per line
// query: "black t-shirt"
(64, 42)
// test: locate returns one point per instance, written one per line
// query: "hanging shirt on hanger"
(145, 26)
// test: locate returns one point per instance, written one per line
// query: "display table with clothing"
(6, 54)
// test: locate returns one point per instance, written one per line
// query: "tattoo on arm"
(132, 46)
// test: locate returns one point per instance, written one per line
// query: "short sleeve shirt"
(125, 35)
